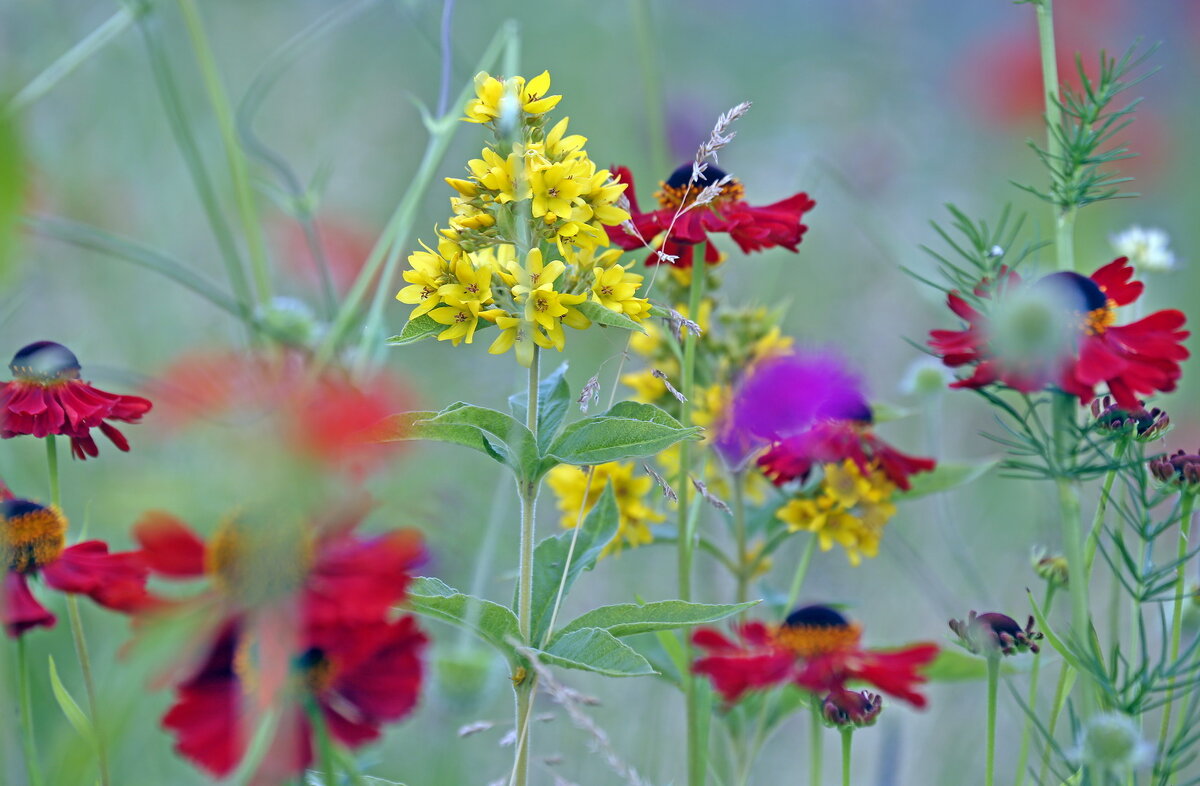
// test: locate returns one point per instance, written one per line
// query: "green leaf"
(606, 316)
(490, 432)
(961, 666)
(554, 400)
(417, 329)
(12, 188)
(490, 621)
(628, 430)
(550, 558)
(595, 649)
(70, 707)
(945, 476)
(627, 619)
(882, 412)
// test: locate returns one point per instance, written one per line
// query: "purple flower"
(784, 396)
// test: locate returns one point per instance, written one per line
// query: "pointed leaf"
(627, 619)
(417, 425)
(945, 476)
(554, 401)
(12, 189)
(606, 316)
(628, 430)
(961, 666)
(424, 327)
(70, 707)
(492, 622)
(550, 558)
(594, 649)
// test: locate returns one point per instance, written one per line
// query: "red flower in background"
(833, 441)
(752, 228)
(358, 676)
(344, 245)
(33, 543)
(319, 418)
(817, 649)
(47, 397)
(1133, 360)
(293, 615)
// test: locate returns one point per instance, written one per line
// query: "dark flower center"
(679, 190)
(45, 361)
(31, 535)
(817, 630)
(316, 670)
(1085, 297)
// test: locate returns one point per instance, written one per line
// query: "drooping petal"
(19, 609)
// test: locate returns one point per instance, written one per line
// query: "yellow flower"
(490, 92)
(616, 289)
(708, 404)
(514, 332)
(549, 310)
(467, 216)
(506, 176)
(534, 274)
(460, 320)
(575, 494)
(463, 187)
(470, 284)
(647, 344)
(557, 146)
(850, 510)
(601, 194)
(429, 272)
(554, 188)
(770, 345)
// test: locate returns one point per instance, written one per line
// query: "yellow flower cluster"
(524, 249)
(570, 485)
(849, 509)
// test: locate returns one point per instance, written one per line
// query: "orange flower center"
(31, 536)
(808, 641)
(258, 565)
(1098, 320)
(676, 197)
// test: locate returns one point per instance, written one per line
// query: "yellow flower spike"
(570, 485)
(501, 175)
(429, 271)
(490, 92)
(533, 274)
(554, 189)
(460, 321)
(851, 510)
(559, 146)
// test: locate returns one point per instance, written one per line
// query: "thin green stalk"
(524, 687)
(74, 57)
(993, 683)
(651, 82)
(1064, 237)
(1060, 700)
(814, 738)
(1185, 525)
(77, 635)
(236, 159)
(847, 739)
(1097, 527)
(801, 572)
(697, 748)
(325, 755)
(744, 564)
(1069, 510)
(181, 129)
(28, 737)
(1034, 671)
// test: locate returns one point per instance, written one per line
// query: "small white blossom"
(1147, 249)
(926, 376)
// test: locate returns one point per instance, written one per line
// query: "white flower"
(1147, 249)
(926, 376)
(1112, 742)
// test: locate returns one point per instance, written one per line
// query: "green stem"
(993, 683)
(28, 737)
(744, 564)
(1093, 540)
(1068, 502)
(1060, 697)
(801, 572)
(74, 57)
(847, 739)
(325, 755)
(223, 114)
(697, 748)
(814, 752)
(1185, 524)
(524, 686)
(1064, 237)
(77, 635)
(652, 91)
(1035, 670)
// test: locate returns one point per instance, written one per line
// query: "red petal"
(115, 581)
(169, 548)
(19, 609)
(1114, 279)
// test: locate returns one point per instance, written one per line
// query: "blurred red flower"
(1134, 360)
(752, 228)
(833, 441)
(815, 648)
(47, 397)
(33, 543)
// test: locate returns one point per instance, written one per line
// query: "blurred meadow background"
(881, 110)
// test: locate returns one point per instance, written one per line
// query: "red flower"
(833, 441)
(752, 228)
(817, 649)
(319, 419)
(1132, 360)
(292, 616)
(358, 676)
(33, 543)
(48, 397)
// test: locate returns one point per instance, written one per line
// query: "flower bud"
(847, 708)
(1180, 468)
(1052, 568)
(984, 634)
(1144, 424)
(1111, 741)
